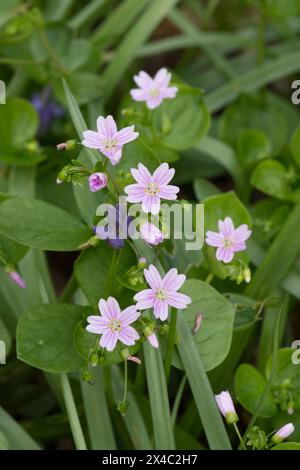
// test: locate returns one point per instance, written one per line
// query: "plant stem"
(239, 436)
(209, 278)
(72, 413)
(125, 379)
(170, 343)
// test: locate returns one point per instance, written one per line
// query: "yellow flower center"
(152, 189)
(154, 92)
(109, 144)
(228, 243)
(115, 325)
(160, 294)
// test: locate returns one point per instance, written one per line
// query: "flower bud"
(15, 276)
(125, 353)
(97, 181)
(153, 340)
(283, 433)
(122, 407)
(134, 359)
(151, 234)
(226, 406)
(94, 358)
(62, 146)
(86, 375)
(247, 274)
(142, 263)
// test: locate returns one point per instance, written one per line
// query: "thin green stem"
(209, 278)
(72, 413)
(239, 436)
(125, 380)
(170, 343)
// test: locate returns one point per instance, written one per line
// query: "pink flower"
(114, 324)
(153, 90)
(151, 234)
(108, 139)
(283, 433)
(97, 181)
(15, 276)
(226, 406)
(228, 240)
(162, 292)
(153, 340)
(150, 189)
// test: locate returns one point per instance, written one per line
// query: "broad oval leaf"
(41, 225)
(92, 271)
(287, 446)
(249, 387)
(45, 337)
(213, 339)
(18, 124)
(183, 121)
(270, 177)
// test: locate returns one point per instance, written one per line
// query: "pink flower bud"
(97, 181)
(142, 263)
(283, 433)
(153, 340)
(15, 276)
(226, 406)
(134, 359)
(62, 146)
(151, 234)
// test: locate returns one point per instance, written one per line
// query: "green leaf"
(45, 337)
(287, 446)
(86, 87)
(249, 387)
(41, 225)
(16, 437)
(217, 208)
(136, 36)
(201, 389)
(187, 116)
(224, 155)
(18, 125)
(159, 401)
(12, 251)
(286, 369)
(204, 188)
(214, 337)
(253, 145)
(270, 177)
(92, 270)
(255, 79)
(283, 252)
(97, 413)
(295, 146)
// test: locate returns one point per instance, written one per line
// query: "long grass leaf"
(140, 32)
(16, 436)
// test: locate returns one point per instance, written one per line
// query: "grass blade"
(210, 416)
(158, 394)
(96, 410)
(283, 252)
(16, 436)
(140, 32)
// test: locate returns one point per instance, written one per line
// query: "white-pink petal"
(129, 315)
(153, 277)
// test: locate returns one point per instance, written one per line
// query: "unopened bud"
(86, 375)
(94, 358)
(247, 274)
(122, 407)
